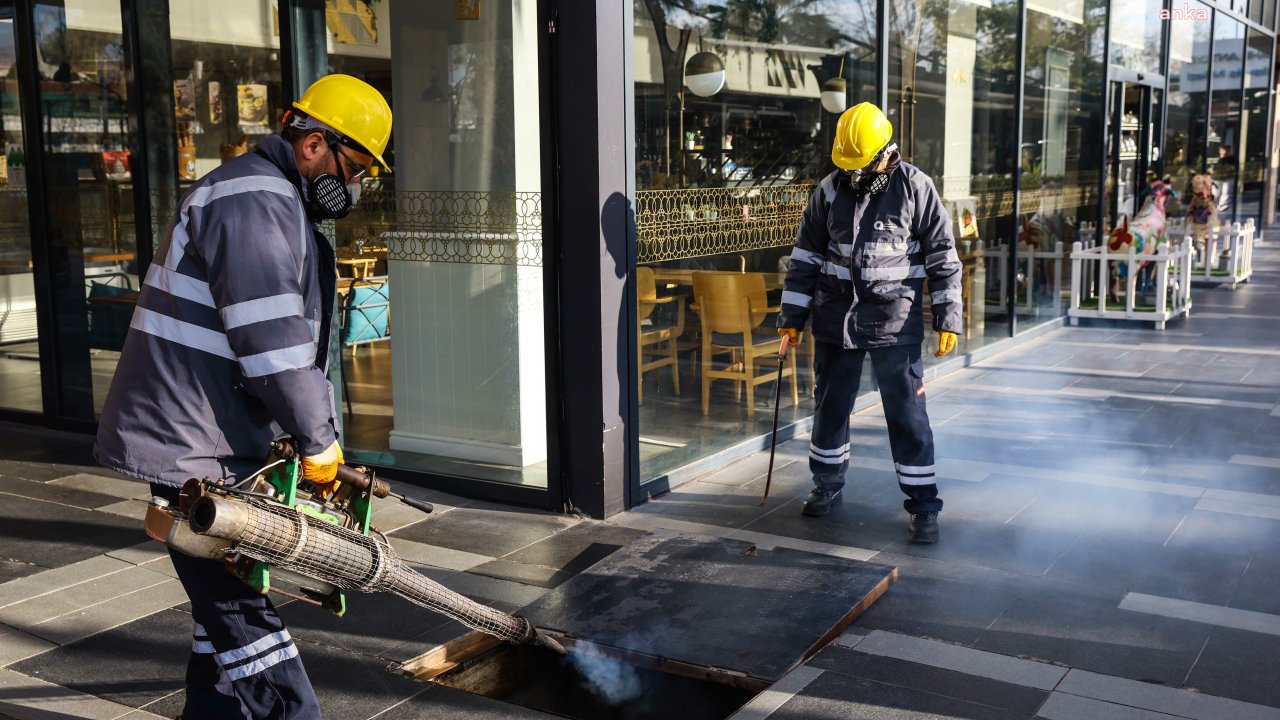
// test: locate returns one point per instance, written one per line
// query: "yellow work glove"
(322, 470)
(792, 335)
(946, 343)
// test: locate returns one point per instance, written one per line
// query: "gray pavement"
(1108, 551)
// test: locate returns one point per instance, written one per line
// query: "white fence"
(1041, 268)
(1170, 273)
(1226, 257)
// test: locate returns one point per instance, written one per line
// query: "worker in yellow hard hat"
(228, 350)
(873, 232)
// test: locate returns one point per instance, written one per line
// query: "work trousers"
(899, 372)
(243, 663)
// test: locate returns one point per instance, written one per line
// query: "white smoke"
(613, 680)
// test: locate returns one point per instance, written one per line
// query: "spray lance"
(274, 532)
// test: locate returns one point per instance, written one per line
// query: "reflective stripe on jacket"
(228, 344)
(860, 262)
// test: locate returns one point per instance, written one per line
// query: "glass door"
(19, 334)
(442, 281)
(1133, 150)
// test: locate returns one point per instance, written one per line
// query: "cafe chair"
(732, 308)
(365, 318)
(656, 341)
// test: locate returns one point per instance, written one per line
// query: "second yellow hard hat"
(863, 131)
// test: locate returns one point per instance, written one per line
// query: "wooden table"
(360, 267)
(684, 276)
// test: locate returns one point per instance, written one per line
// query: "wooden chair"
(655, 340)
(732, 308)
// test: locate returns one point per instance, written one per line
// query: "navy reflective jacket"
(860, 262)
(228, 346)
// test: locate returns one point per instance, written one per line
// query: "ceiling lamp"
(704, 74)
(835, 95)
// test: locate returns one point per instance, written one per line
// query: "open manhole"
(592, 682)
(671, 626)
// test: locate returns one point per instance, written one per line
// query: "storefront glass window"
(1188, 106)
(86, 166)
(226, 81)
(952, 91)
(1060, 168)
(735, 104)
(1225, 116)
(1253, 123)
(19, 351)
(441, 263)
(1137, 32)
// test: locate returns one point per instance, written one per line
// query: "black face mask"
(327, 194)
(875, 182)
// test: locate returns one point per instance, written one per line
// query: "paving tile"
(776, 695)
(52, 535)
(133, 509)
(833, 695)
(1257, 590)
(1061, 706)
(502, 594)
(538, 575)
(927, 675)
(373, 625)
(1182, 703)
(154, 666)
(33, 699)
(497, 529)
(351, 685)
(16, 645)
(1003, 668)
(576, 548)
(104, 485)
(1049, 625)
(72, 496)
(437, 701)
(48, 581)
(111, 613)
(1187, 573)
(1227, 533)
(30, 613)
(142, 553)
(942, 609)
(436, 556)
(1240, 665)
(12, 570)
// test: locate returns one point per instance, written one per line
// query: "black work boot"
(923, 528)
(820, 502)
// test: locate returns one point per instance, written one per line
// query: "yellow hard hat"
(354, 109)
(863, 131)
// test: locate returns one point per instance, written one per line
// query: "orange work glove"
(946, 343)
(322, 470)
(793, 336)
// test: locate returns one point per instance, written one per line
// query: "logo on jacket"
(885, 225)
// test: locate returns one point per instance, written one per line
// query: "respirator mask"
(867, 180)
(329, 196)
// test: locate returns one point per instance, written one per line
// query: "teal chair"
(365, 318)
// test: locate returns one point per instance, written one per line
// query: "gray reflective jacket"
(228, 345)
(860, 262)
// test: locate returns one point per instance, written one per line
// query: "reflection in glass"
(951, 99)
(1225, 116)
(441, 281)
(1253, 121)
(1061, 168)
(88, 175)
(19, 350)
(1137, 32)
(721, 182)
(1188, 104)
